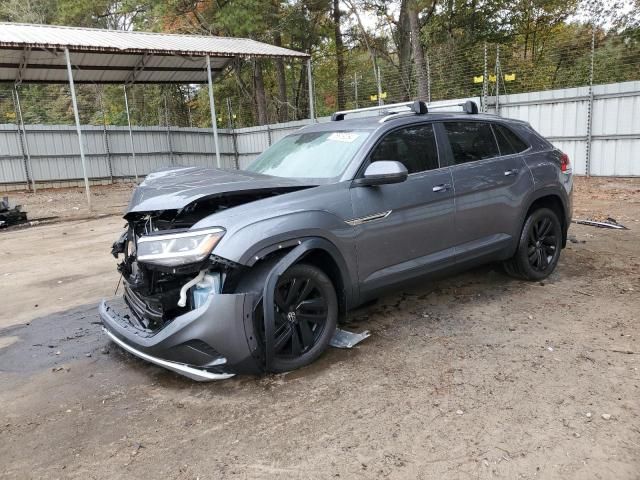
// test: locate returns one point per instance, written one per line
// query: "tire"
(304, 322)
(539, 247)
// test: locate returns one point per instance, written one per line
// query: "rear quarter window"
(508, 141)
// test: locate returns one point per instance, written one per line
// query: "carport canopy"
(56, 54)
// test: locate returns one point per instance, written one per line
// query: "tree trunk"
(283, 107)
(418, 53)
(261, 97)
(339, 55)
(302, 98)
(403, 43)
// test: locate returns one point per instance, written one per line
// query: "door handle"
(443, 187)
(508, 173)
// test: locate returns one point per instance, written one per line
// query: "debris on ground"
(345, 339)
(606, 416)
(608, 223)
(11, 214)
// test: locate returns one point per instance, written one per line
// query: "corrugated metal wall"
(563, 116)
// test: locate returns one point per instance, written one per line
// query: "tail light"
(565, 164)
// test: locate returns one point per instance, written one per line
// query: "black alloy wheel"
(542, 244)
(305, 316)
(539, 246)
(301, 315)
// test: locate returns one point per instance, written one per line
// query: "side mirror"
(383, 172)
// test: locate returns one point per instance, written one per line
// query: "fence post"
(105, 135)
(355, 87)
(22, 136)
(133, 150)
(590, 106)
(166, 117)
(380, 102)
(498, 80)
(485, 82)
(233, 135)
(428, 77)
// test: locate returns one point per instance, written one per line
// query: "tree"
(339, 55)
(415, 24)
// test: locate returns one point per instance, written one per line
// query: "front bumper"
(197, 374)
(213, 342)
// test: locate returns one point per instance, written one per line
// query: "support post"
(312, 109)
(133, 150)
(74, 102)
(22, 131)
(590, 106)
(212, 107)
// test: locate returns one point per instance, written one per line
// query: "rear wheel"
(305, 317)
(538, 247)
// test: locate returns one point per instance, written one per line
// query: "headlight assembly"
(175, 249)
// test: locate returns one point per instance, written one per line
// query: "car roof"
(372, 122)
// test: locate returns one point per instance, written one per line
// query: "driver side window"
(414, 146)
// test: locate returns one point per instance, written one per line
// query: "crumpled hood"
(176, 188)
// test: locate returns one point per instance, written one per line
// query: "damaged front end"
(179, 304)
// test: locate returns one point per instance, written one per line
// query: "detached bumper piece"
(213, 342)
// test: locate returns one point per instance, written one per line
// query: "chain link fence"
(173, 117)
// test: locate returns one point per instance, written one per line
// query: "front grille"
(145, 311)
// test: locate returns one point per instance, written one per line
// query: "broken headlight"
(175, 249)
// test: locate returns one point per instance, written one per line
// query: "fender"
(548, 191)
(298, 252)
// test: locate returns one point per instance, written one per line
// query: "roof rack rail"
(419, 107)
(469, 106)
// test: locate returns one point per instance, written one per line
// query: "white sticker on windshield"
(346, 137)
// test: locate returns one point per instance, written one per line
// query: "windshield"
(310, 155)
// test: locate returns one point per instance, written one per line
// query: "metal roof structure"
(35, 54)
(54, 54)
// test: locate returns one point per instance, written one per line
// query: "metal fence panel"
(560, 115)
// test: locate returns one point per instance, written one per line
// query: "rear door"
(490, 187)
(404, 229)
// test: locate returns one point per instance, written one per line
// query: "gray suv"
(228, 272)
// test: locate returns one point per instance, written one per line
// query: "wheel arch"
(554, 202)
(320, 253)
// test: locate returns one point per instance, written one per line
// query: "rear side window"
(508, 141)
(414, 146)
(471, 141)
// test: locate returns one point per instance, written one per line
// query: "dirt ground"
(474, 376)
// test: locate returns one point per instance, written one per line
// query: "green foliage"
(535, 39)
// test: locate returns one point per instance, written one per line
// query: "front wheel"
(538, 248)
(305, 315)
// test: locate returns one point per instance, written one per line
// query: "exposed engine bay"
(156, 294)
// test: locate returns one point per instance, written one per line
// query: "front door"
(404, 230)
